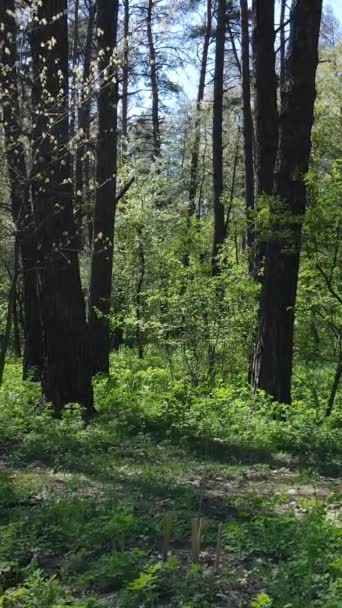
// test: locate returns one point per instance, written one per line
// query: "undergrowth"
(82, 507)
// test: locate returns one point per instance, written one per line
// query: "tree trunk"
(234, 49)
(154, 82)
(139, 298)
(247, 128)
(219, 221)
(193, 187)
(266, 113)
(336, 382)
(125, 78)
(82, 176)
(5, 338)
(66, 371)
(16, 328)
(106, 167)
(272, 364)
(75, 48)
(282, 49)
(19, 192)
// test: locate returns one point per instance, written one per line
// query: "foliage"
(83, 517)
(179, 430)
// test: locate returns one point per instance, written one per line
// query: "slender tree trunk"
(154, 81)
(125, 79)
(20, 308)
(66, 371)
(105, 205)
(336, 382)
(16, 328)
(139, 303)
(5, 338)
(247, 129)
(272, 365)
(219, 221)
(193, 187)
(234, 49)
(75, 48)
(19, 191)
(282, 43)
(233, 182)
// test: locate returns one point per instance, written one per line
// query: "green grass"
(82, 508)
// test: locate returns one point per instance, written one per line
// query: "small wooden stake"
(167, 524)
(196, 539)
(218, 548)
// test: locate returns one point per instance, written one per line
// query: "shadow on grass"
(228, 453)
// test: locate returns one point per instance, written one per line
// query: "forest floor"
(86, 510)
(95, 524)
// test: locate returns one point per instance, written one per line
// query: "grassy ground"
(84, 513)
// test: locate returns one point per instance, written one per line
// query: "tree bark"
(105, 204)
(336, 382)
(154, 82)
(219, 221)
(247, 129)
(273, 356)
(19, 191)
(16, 328)
(66, 374)
(193, 187)
(139, 298)
(82, 176)
(125, 79)
(282, 43)
(75, 48)
(266, 113)
(5, 338)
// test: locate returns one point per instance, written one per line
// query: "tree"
(282, 43)
(100, 291)
(83, 108)
(66, 374)
(19, 189)
(154, 81)
(272, 365)
(217, 137)
(197, 127)
(125, 78)
(266, 114)
(248, 135)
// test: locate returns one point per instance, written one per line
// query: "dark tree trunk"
(19, 192)
(82, 176)
(5, 338)
(33, 331)
(234, 49)
(75, 48)
(266, 113)
(66, 371)
(219, 221)
(154, 81)
(104, 213)
(16, 328)
(247, 128)
(282, 49)
(266, 110)
(272, 365)
(125, 79)
(193, 187)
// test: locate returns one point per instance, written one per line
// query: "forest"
(170, 304)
